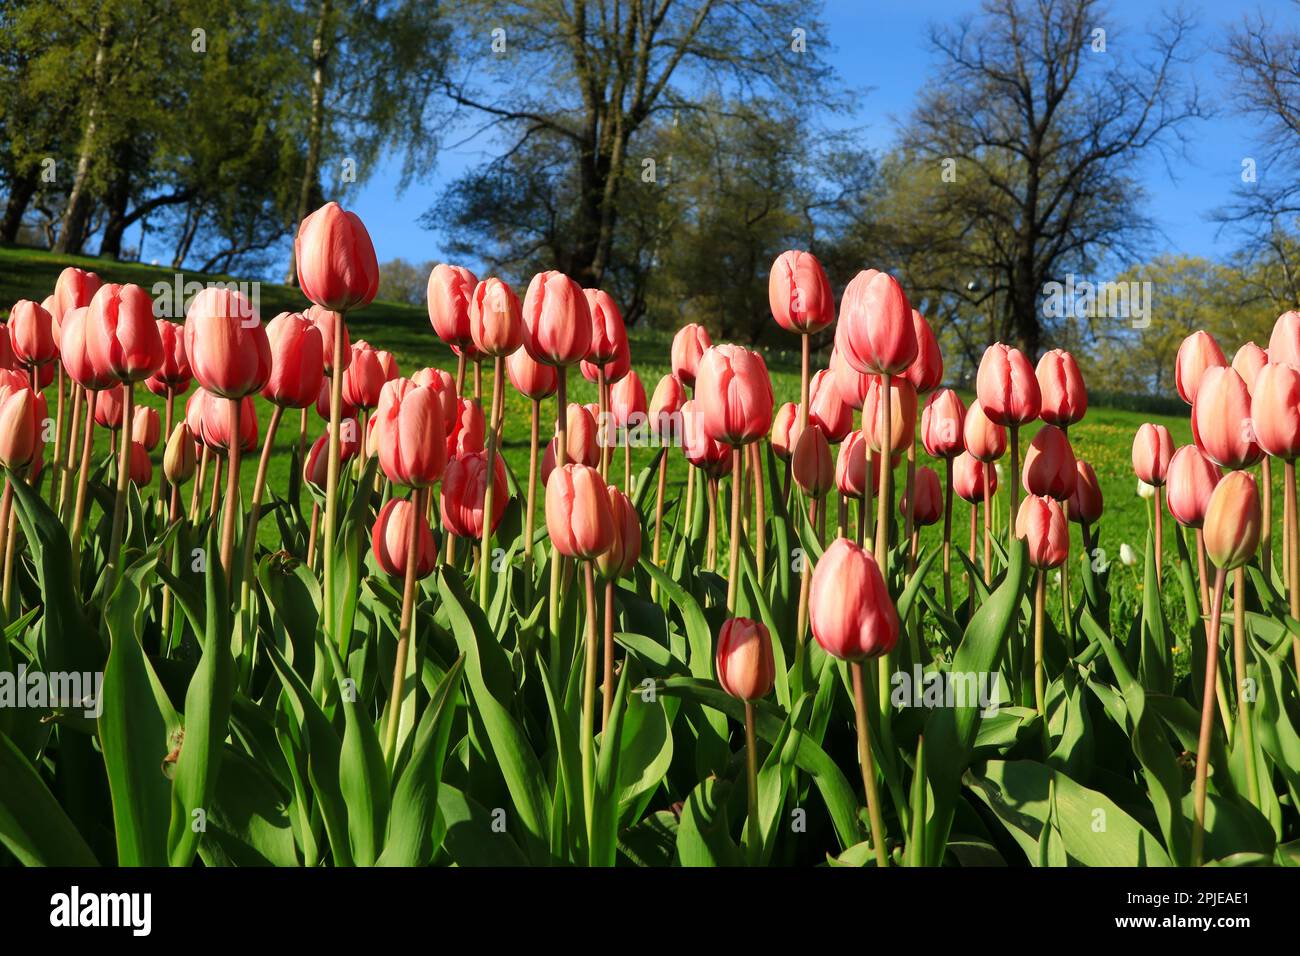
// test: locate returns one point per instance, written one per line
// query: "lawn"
(1104, 438)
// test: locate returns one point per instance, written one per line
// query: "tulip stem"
(712, 501)
(123, 481)
(213, 498)
(1246, 730)
(404, 627)
(659, 518)
(57, 464)
(332, 480)
(737, 494)
(1160, 546)
(1014, 482)
(1207, 718)
(868, 767)
(166, 434)
(200, 482)
(1066, 609)
(66, 480)
(602, 398)
(607, 687)
(561, 455)
(530, 510)
(909, 515)
(173, 561)
(988, 533)
(311, 535)
(255, 506)
(1293, 548)
(760, 512)
(755, 842)
(1040, 691)
(232, 496)
(83, 476)
(970, 578)
(1266, 531)
(588, 737)
(489, 482)
(947, 536)
(7, 523)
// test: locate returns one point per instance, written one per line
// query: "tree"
(1029, 133)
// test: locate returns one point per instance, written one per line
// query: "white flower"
(1145, 490)
(1127, 556)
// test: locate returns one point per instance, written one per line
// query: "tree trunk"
(309, 188)
(21, 189)
(77, 214)
(193, 215)
(115, 203)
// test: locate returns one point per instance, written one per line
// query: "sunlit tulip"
(365, 377)
(665, 408)
(121, 333)
(849, 382)
(627, 400)
(146, 427)
(1250, 358)
(1153, 447)
(1041, 523)
(313, 470)
(108, 408)
(851, 467)
(557, 321)
(984, 440)
(327, 322)
(968, 474)
(31, 333)
(875, 332)
(297, 361)
(409, 433)
(902, 414)
(744, 661)
(531, 378)
(614, 370)
(943, 424)
(699, 447)
(1198, 353)
(1007, 386)
(578, 517)
(625, 546)
(335, 259)
(1221, 422)
(1085, 504)
(1284, 343)
(174, 373)
(1232, 521)
(442, 382)
(208, 416)
(1064, 398)
(926, 371)
(73, 290)
(1275, 410)
(827, 410)
(19, 426)
(390, 539)
(76, 358)
(811, 463)
(799, 294)
(734, 394)
(851, 612)
(226, 343)
(1191, 480)
(463, 485)
(785, 430)
(1049, 465)
(179, 458)
(496, 322)
(466, 432)
(581, 440)
(690, 342)
(929, 498)
(607, 332)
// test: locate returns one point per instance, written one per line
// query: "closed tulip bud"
(826, 409)
(1275, 410)
(926, 371)
(1041, 523)
(31, 334)
(785, 425)
(73, 290)
(1192, 479)
(608, 334)
(108, 408)
(1221, 422)
(1060, 386)
(984, 440)
(450, 292)
(1284, 343)
(1198, 353)
(799, 294)
(943, 424)
(463, 485)
(327, 323)
(388, 364)
(902, 415)
(665, 411)
(969, 475)
(627, 400)
(496, 323)
(1153, 447)
(557, 321)
(336, 261)
(811, 464)
(929, 498)
(19, 426)
(140, 470)
(531, 378)
(851, 384)
(1232, 521)
(581, 440)
(314, 468)
(578, 516)
(700, 448)
(734, 395)
(1007, 387)
(1248, 361)
(76, 358)
(178, 457)
(121, 333)
(467, 430)
(174, 372)
(346, 408)
(208, 416)
(875, 332)
(365, 377)
(226, 343)
(409, 432)
(146, 427)
(297, 361)
(390, 540)
(442, 382)
(1085, 504)
(853, 477)
(744, 662)
(1049, 465)
(614, 370)
(689, 344)
(850, 609)
(625, 546)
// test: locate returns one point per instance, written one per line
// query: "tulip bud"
(745, 664)
(19, 428)
(1232, 521)
(1007, 386)
(314, 469)
(336, 261)
(108, 408)
(1275, 410)
(179, 457)
(31, 334)
(531, 378)
(1041, 522)
(1250, 358)
(146, 427)
(943, 422)
(557, 320)
(734, 394)
(1221, 422)
(1145, 492)
(226, 343)
(785, 424)
(390, 540)
(929, 498)
(209, 415)
(1284, 343)
(1085, 504)
(1049, 465)
(1060, 385)
(627, 399)
(1192, 479)
(174, 374)
(1127, 557)
(122, 337)
(799, 294)
(849, 382)
(297, 361)
(442, 382)
(463, 487)
(467, 430)
(851, 467)
(365, 377)
(1198, 353)
(700, 448)
(140, 472)
(496, 323)
(875, 332)
(902, 414)
(578, 517)
(625, 546)
(1153, 447)
(608, 335)
(327, 323)
(581, 444)
(689, 344)
(410, 434)
(985, 441)
(76, 358)
(851, 612)
(73, 290)
(926, 371)
(826, 409)
(968, 477)
(811, 463)
(665, 412)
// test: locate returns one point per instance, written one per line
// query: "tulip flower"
(785, 430)
(1060, 385)
(19, 426)
(409, 430)
(171, 379)
(853, 618)
(463, 485)
(689, 344)
(327, 323)
(314, 467)
(1041, 523)
(607, 330)
(902, 415)
(557, 320)
(943, 422)
(1009, 395)
(928, 500)
(799, 294)
(1275, 414)
(1049, 465)
(495, 319)
(618, 561)
(1198, 353)
(73, 290)
(746, 670)
(581, 441)
(335, 260)
(1153, 448)
(109, 408)
(346, 408)
(849, 382)
(450, 292)
(627, 406)
(297, 361)
(1284, 343)
(530, 378)
(926, 371)
(365, 377)
(1085, 504)
(1248, 361)
(141, 468)
(969, 476)
(827, 410)
(178, 457)
(875, 334)
(851, 476)
(31, 334)
(1221, 420)
(146, 427)
(7, 360)
(811, 463)
(734, 395)
(466, 430)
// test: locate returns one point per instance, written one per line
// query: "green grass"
(1104, 438)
